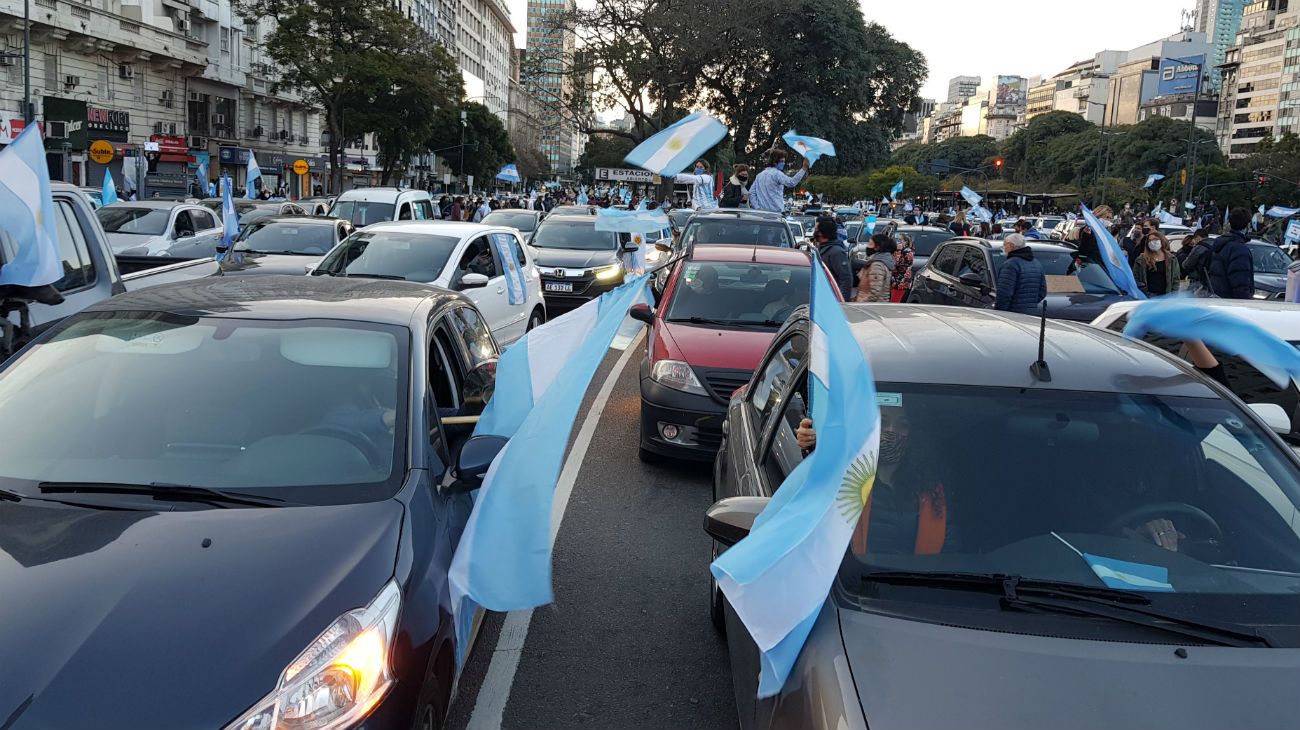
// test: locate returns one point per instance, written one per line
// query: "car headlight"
(677, 375)
(1261, 295)
(609, 272)
(339, 678)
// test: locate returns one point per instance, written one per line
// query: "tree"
(1018, 149)
(487, 144)
(1278, 162)
(532, 163)
(604, 150)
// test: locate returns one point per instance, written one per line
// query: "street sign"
(623, 174)
(300, 167)
(101, 152)
(1293, 232)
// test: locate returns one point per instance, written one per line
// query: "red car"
(721, 305)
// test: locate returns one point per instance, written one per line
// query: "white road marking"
(489, 708)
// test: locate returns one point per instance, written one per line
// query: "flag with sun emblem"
(678, 145)
(778, 577)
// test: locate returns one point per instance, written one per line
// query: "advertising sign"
(1178, 75)
(101, 152)
(1011, 91)
(621, 174)
(1293, 232)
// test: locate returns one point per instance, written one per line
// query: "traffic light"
(997, 163)
(1262, 179)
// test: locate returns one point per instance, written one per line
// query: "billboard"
(1011, 91)
(621, 174)
(1179, 75)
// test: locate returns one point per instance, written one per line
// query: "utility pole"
(27, 62)
(461, 177)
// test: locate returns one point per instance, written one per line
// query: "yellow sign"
(300, 167)
(101, 152)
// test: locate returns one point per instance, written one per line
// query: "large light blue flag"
(1112, 256)
(503, 560)
(1152, 179)
(631, 221)
(1185, 318)
(229, 218)
(108, 192)
(27, 213)
(509, 173)
(812, 148)
(1278, 211)
(582, 196)
(869, 225)
(678, 146)
(201, 174)
(254, 172)
(895, 191)
(778, 577)
(971, 197)
(979, 212)
(504, 243)
(1170, 219)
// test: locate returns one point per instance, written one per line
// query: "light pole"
(1191, 134)
(460, 181)
(1108, 134)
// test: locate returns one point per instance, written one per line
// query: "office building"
(484, 47)
(1219, 20)
(1256, 103)
(1082, 88)
(961, 88)
(1136, 81)
(550, 53)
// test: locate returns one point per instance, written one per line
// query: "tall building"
(1255, 103)
(550, 52)
(484, 47)
(1081, 88)
(1219, 20)
(961, 88)
(1137, 79)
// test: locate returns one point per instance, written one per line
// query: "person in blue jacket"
(1021, 284)
(1232, 268)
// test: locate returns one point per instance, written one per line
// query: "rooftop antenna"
(1039, 369)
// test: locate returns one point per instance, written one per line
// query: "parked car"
(524, 221)
(736, 226)
(718, 312)
(1270, 264)
(284, 244)
(964, 272)
(1003, 594)
(317, 205)
(161, 228)
(365, 206)
(464, 257)
(578, 263)
(259, 471)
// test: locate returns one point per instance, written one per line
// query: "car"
(573, 210)
(701, 346)
(678, 218)
(996, 587)
(283, 244)
(1270, 264)
(251, 210)
(95, 196)
(464, 257)
(317, 205)
(796, 231)
(266, 478)
(963, 272)
(1046, 223)
(365, 206)
(524, 221)
(578, 263)
(737, 226)
(160, 228)
(925, 238)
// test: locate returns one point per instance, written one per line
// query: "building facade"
(961, 88)
(1261, 74)
(1081, 89)
(1137, 80)
(550, 52)
(1219, 20)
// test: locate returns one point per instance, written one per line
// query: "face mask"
(892, 446)
(780, 165)
(742, 178)
(1153, 245)
(699, 170)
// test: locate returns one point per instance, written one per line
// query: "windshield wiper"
(174, 492)
(387, 277)
(1074, 598)
(8, 496)
(722, 322)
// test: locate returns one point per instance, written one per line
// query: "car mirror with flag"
(679, 145)
(27, 213)
(812, 148)
(1112, 256)
(778, 577)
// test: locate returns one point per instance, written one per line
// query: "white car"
(488, 264)
(366, 206)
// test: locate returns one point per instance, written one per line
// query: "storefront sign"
(10, 128)
(623, 174)
(232, 155)
(99, 119)
(300, 167)
(102, 152)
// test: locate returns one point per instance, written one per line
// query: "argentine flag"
(509, 173)
(503, 560)
(1112, 256)
(582, 196)
(895, 191)
(27, 213)
(631, 221)
(778, 577)
(1170, 219)
(254, 172)
(813, 148)
(971, 197)
(1278, 211)
(678, 146)
(229, 219)
(1152, 179)
(515, 291)
(201, 174)
(108, 192)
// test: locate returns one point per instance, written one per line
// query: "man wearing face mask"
(736, 192)
(768, 190)
(702, 197)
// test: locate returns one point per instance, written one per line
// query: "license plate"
(559, 286)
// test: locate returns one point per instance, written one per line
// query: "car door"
(519, 297)
(936, 278)
(478, 257)
(974, 260)
(532, 277)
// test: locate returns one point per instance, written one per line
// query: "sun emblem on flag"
(856, 487)
(676, 144)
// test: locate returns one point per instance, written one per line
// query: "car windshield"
(390, 255)
(1047, 224)
(361, 212)
(744, 232)
(285, 237)
(138, 221)
(1269, 259)
(581, 235)
(1067, 272)
(523, 222)
(853, 229)
(315, 414)
(679, 216)
(720, 293)
(250, 214)
(1092, 479)
(926, 241)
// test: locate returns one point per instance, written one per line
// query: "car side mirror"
(731, 519)
(1274, 416)
(479, 385)
(473, 281)
(642, 313)
(185, 234)
(631, 248)
(472, 463)
(970, 278)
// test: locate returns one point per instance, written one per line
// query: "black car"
(1270, 264)
(736, 227)
(577, 262)
(235, 509)
(963, 272)
(283, 244)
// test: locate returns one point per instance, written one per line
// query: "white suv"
(364, 206)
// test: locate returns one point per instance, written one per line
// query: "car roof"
(379, 194)
(1280, 319)
(440, 228)
(155, 204)
(736, 253)
(283, 298)
(299, 218)
(570, 218)
(737, 214)
(910, 343)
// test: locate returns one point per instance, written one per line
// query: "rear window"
(925, 242)
(524, 222)
(754, 233)
(362, 213)
(741, 294)
(389, 255)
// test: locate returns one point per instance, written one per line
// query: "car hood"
(574, 258)
(1080, 307)
(260, 264)
(131, 244)
(130, 613)
(1271, 283)
(709, 347)
(911, 674)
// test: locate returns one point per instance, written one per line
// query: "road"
(627, 643)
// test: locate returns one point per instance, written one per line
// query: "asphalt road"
(627, 643)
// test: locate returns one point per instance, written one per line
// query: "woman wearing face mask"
(736, 191)
(702, 186)
(1156, 269)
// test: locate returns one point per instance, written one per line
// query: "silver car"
(159, 228)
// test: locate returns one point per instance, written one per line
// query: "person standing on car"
(768, 190)
(1156, 268)
(832, 254)
(1021, 284)
(701, 183)
(736, 192)
(1232, 268)
(875, 280)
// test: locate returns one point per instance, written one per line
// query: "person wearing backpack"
(736, 191)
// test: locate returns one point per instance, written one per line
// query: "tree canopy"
(487, 144)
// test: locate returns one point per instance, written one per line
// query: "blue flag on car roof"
(813, 148)
(108, 191)
(503, 559)
(27, 213)
(778, 577)
(1152, 179)
(679, 145)
(1112, 256)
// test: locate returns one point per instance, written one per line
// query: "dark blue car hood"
(122, 619)
(1080, 307)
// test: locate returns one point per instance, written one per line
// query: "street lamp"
(1191, 134)
(1108, 134)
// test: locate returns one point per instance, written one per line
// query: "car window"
(775, 376)
(782, 454)
(424, 210)
(474, 333)
(404, 213)
(183, 223)
(444, 372)
(719, 292)
(478, 259)
(519, 251)
(749, 232)
(973, 262)
(203, 220)
(948, 259)
(78, 267)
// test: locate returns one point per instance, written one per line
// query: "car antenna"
(753, 259)
(1039, 369)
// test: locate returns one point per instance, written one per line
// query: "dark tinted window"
(924, 242)
(761, 233)
(119, 218)
(444, 374)
(973, 261)
(203, 220)
(362, 213)
(478, 259)
(776, 374)
(78, 267)
(474, 333)
(580, 235)
(948, 259)
(782, 453)
(286, 237)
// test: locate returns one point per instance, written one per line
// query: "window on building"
(225, 39)
(51, 72)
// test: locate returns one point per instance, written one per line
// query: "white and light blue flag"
(509, 173)
(639, 220)
(27, 213)
(897, 190)
(201, 174)
(254, 172)
(1170, 219)
(1189, 205)
(1112, 256)
(504, 243)
(979, 212)
(678, 146)
(1152, 179)
(812, 148)
(869, 225)
(503, 559)
(778, 577)
(229, 218)
(1278, 211)
(108, 192)
(971, 197)
(582, 196)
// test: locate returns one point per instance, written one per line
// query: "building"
(1137, 79)
(914, 123)
(961, 88)
(550, 53)
(945, 123)
(1082, 88)
(1219, 20)
(484, 50)
(1255, 103)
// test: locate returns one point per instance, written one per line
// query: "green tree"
(487, 144)
(1018, 150)
(604, 150)
(1278, 161)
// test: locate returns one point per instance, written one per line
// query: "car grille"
(710, 437)
(722, 383)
